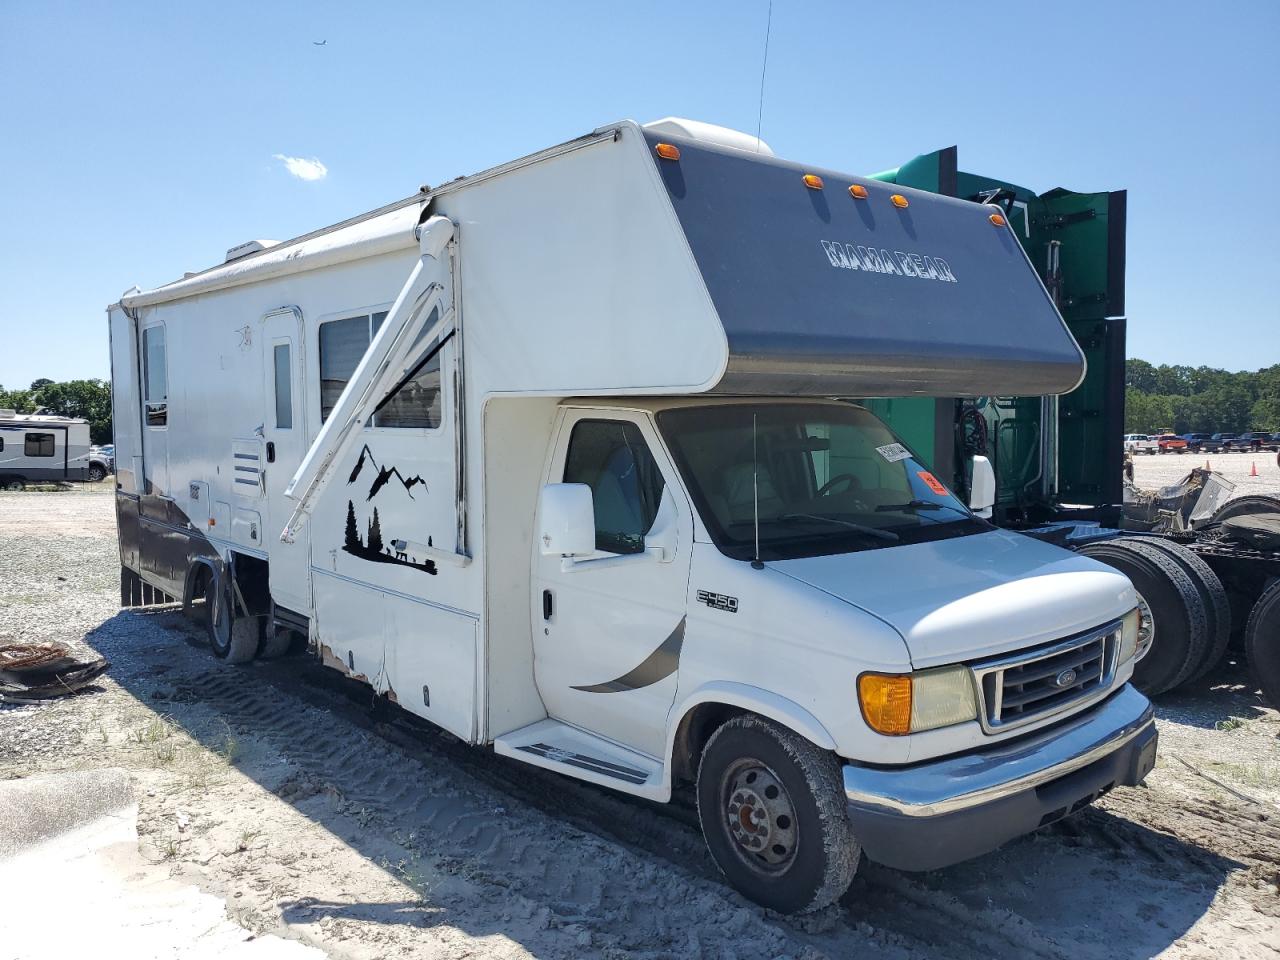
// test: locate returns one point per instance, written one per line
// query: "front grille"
(1034, 684)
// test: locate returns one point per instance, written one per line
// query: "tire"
(276, 642)
(1262, 643)
(808, 856)
(15, 484)
(96, 473)
(1179, 619)
(1212, 593)
(233, 639)
(1252, 503)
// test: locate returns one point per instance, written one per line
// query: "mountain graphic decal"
(372, 545)
(384, 475)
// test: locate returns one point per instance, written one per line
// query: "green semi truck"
(1208, 573)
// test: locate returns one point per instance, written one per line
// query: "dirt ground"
(317, 816)
(1153, 471)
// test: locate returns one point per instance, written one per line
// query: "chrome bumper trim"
(969, 780)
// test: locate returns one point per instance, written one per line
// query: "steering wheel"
(848, 479)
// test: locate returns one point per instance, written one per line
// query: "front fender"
(746, 697)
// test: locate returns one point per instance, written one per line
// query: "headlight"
(1130, 627)
(897, 704)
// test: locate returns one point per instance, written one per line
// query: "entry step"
(557, 746)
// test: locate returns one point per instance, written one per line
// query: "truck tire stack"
(1187, 607)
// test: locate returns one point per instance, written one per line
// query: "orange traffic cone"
(1253, 471)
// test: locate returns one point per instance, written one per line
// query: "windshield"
(828, 478)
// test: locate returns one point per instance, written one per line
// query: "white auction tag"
(893, 452)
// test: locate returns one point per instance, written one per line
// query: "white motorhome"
(551, 456)
(41, 448)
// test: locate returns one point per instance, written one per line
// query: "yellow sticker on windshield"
(932, 482)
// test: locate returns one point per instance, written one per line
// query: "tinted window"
(284, 387)
(342, 345)
(612, 458)
(155, 377)
(39, 445)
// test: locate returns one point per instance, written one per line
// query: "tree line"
(1200, 399)
(84, 399)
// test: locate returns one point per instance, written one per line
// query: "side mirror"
(567, 520)
(982, 487)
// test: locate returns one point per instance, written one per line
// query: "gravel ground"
(1152, 472)
(277, 788)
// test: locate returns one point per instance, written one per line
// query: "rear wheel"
(772, 809)
(15, 484)
(232, 638)
(1240, 506)
(1262, 643)
(1212, 593)
(1178, 622)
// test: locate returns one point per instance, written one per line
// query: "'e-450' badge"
(718, 601)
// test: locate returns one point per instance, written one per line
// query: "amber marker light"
(668, 151)
(813, 181)
(858, 192)
(996, 219)
(899, 201)
(885, 700)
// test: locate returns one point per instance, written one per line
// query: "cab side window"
(612, 458)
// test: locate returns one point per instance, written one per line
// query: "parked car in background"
(1139, 443)
(1217, 443)
(1197, 441)
(106, 453)
(1250, 442)
(1171, 443)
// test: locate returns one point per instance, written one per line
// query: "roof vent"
(246, 249)
(708, 133)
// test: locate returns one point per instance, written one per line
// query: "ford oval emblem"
(1065, 679)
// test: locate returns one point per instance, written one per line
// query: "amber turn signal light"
(668, 151)
(813, 181)
(899, 201)
(885, 700)
(996, 219)
(858, 192)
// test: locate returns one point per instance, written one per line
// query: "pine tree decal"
(375, 533)
(352, 541)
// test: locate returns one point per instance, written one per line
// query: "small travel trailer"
(560, 457)
(39, 448)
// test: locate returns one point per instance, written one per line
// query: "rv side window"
(39, 445)
(284, 387)
(612, 458)
(342, 345)
(155, 377)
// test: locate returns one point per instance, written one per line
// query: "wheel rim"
(1146, 629)
(759, 817)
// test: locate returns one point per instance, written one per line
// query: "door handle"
(546, 605)
(271, 452)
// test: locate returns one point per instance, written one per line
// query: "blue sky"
(138, 141)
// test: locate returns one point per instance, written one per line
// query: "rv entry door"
(285, 441)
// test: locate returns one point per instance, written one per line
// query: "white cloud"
(302, 168)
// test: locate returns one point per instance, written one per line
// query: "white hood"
(972, 596)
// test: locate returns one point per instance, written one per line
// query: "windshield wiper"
(919, 505)
(861, 528)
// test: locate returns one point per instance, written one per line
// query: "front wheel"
(772, 809)
(96, 473)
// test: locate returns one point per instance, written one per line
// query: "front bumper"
(933, 814)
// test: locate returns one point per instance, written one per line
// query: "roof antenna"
(763, 66)
(757, 563)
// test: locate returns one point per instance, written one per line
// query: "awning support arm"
(394, 350)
